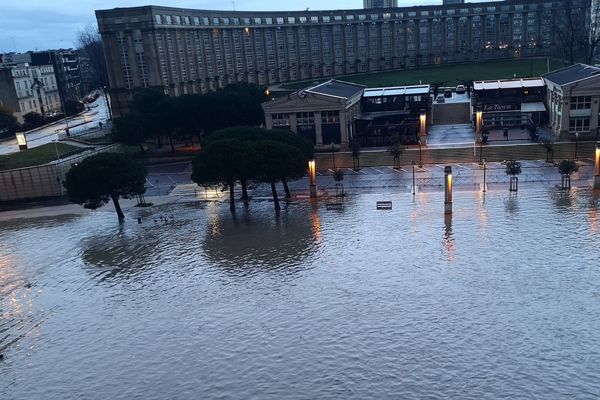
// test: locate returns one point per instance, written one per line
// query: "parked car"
(447, 93)
(440, 99)
(460, 89)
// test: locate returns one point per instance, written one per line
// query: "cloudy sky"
(43, 24)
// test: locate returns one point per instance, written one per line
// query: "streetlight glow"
(597, 170)
(448, 190)
(312, 178)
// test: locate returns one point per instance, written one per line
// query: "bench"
(384, 205)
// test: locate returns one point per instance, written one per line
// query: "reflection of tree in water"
(37, 222)
(512, 203)
(120, 253)
(261, 239)
(563, 200)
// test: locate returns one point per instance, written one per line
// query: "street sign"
(22, 141)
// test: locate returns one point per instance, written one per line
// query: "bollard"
(448, 191)
(597, 171)
(312, 177)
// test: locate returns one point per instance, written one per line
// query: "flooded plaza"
(500, 301)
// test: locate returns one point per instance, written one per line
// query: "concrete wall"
(42, 181)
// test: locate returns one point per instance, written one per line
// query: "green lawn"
(38, 155)
(450, 73)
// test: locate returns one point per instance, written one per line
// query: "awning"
(532, 107)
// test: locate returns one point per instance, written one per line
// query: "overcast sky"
(46, 24)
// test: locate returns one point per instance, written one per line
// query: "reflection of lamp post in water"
(597, 170)
(414, 190)
(333, 155)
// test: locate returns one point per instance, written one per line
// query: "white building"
(27, 88)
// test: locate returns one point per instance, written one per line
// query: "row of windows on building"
(162, 19)
(281, 120)
(246, 50)
(32, 105)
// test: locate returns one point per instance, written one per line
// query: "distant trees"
(104, 177)
(578, 36)
(7, 120)
(33, 118)
(196, 115)
(246, 153)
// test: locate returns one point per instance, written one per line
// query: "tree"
(395, 150)
(89, 44)
(513, 168)
(7, 120)
(566, 168)
(33, 118)
(253, 134)
(223, 162)
(104, 177)
(338, 177)
(277, 161)
(73, 107)
(435, 87)
(572, 29)
(355, 147)
(129, 130)
(548, 143)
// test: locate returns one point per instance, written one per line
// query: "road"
(97, 112)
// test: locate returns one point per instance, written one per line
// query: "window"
(158, 19)
(302, 20)
(579, 124)
(349, 17)
(326, 19)
(305, 118)
(581, 103)
(330, 117)
(281, 120)
(314, 19)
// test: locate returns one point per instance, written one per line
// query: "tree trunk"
(231, 196)
(171, 143)
(115, 200)
(286, 188)
(244, 183)
(275, 198)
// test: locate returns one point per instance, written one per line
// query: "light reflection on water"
(499, 300)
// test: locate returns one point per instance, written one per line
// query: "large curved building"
(192, 51)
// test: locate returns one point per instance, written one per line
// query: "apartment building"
(380, 3)
(28, 88)
(192, 51)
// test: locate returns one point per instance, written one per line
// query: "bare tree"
(90, 47)
(594, 32)
(572, 29)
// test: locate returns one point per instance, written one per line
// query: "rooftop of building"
(336, 88)
(397, 91)
(509, 84)
(572, 74)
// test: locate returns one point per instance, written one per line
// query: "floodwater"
(501, 301)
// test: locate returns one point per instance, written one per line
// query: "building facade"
(66, 68)
(29, 88)
(380, 3)
(573, 101)
(324, 113)
(191, 51)
(510, 103)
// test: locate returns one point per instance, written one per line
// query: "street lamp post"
(576, 144)
(414, 191)
(312, 176)
(420, 155)
(448, 190)
(597, 167)
(484, 170)
(108, 110)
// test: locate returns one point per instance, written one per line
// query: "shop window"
(579, 125)
(581, 103)
(280, 120)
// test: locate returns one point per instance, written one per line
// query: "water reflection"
(512, 203)
(448, 241)
(260, 239)
(38, 222)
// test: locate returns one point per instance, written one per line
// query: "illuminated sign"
(501, 107)
(22, 141)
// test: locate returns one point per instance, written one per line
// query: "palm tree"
(566, 168)
(338, 177)
(513, 168)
